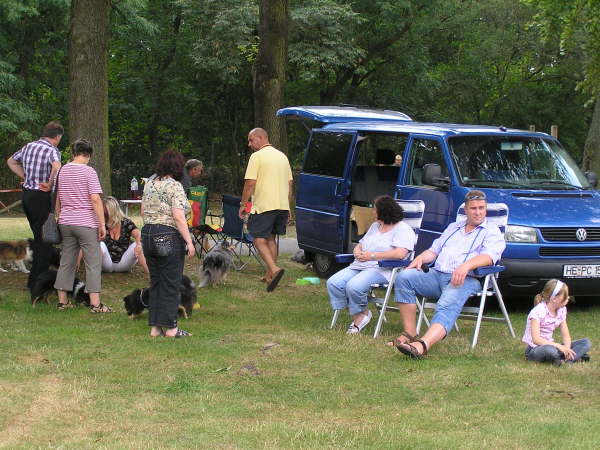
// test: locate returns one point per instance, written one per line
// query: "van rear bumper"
(528, 277)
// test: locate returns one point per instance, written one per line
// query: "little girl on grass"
(549, 313)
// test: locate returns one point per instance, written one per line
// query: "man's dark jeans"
(36, 205)
(165, 275)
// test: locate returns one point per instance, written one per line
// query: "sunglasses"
(475, 197)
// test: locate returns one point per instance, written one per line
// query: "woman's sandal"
(101, 308)
(408, 339)
(412, 351)
(62, 306)
(180, 333)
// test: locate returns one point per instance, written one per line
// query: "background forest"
(180, 72)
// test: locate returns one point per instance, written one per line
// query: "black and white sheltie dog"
(16, 253)
(216, 264)
(137, 301)
(43, 286)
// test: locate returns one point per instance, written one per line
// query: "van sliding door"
(323, 192)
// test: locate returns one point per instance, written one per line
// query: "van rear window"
(327, 154)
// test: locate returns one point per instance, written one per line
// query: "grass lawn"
(263, 371)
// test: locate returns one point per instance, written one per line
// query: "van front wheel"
(325, 265)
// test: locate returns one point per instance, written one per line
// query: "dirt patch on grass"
(47, 403)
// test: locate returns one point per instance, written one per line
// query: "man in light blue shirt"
(462, 247)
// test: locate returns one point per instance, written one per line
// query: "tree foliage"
(180, 71)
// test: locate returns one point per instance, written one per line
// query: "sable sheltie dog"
(43, 286)
(16, 253)
(216, 264)
(137, 301)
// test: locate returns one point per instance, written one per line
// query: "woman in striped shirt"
(81, 223)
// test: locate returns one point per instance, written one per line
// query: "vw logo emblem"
(581, 234)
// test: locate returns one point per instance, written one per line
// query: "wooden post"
(554, 131)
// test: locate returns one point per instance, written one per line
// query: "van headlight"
(517, 233)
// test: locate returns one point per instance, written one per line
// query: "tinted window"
(327, 154)
(512, 161)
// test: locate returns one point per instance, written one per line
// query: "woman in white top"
(387, 238)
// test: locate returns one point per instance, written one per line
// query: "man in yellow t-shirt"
(268, 181)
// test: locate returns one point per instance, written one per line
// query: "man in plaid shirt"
(38, 163)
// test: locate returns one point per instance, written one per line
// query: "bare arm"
(249, 186)
(139, 252)
(47, 186)
(137, 235)
(539, 340)
(395, 253)
(460, 273)
(57, 207)
(99, 210)
(16, 167)
(182, 227)
(426, 257)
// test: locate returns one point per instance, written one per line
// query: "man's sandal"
(101, 308)
(408, 338)
(412, 351)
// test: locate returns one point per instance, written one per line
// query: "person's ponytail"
(538, 298)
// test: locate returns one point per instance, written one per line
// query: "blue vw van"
(350, 158)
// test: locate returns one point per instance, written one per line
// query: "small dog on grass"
(43, 286)
(137, 301)
(16, 253)
(216, 264)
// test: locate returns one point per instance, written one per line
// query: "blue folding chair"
(413, 216)
(234, 228)
(497, 213)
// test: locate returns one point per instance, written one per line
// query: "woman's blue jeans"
(434, 284)
(165, 275)
(549, 353)
(349, 288)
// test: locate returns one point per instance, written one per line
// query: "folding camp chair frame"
(238, 233)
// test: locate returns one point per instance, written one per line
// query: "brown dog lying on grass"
(16, 253)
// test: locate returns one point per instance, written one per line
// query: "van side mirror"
(432, 176)
(592, 178)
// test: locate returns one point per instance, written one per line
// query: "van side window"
(422, 152)
(327, 154)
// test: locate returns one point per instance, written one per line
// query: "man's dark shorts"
(265, 224)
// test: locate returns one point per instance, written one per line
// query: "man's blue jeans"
(348, 288)
(549, 353)
(434, 284)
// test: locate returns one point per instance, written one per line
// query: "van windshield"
(518, 162)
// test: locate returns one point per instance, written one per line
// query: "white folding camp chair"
(497, 213)
(413, 216)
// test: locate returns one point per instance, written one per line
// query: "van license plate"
(581, 270)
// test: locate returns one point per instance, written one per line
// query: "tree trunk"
(591, 149)
(268, 73)
(88, 81)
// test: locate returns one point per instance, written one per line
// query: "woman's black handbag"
(50, 231)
